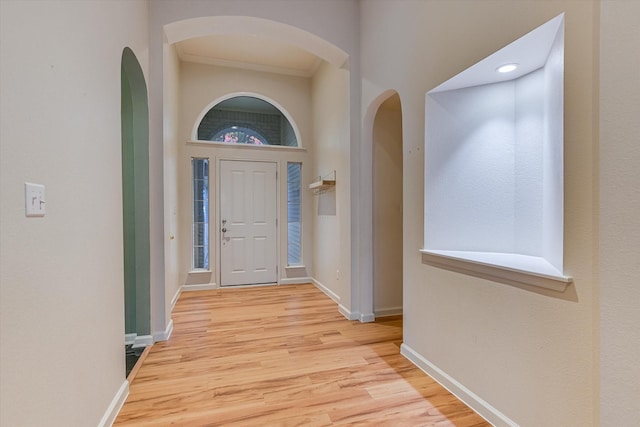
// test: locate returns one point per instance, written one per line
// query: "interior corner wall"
(494, 339)
(331, 212)
(619, 206)
(61, 276)
(171, 127)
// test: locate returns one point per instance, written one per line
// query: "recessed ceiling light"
(506, 68)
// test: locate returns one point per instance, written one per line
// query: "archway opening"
(387, 208)
(135, 201)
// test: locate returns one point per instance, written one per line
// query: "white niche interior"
(494, 183)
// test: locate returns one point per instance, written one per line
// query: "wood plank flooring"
(283, 356)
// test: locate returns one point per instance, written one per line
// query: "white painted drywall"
(619, 221)
(61, 276)
(552, 154)
(470, 164)
(517, 349)
(528, 151)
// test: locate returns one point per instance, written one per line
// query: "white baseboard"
(295, 280)
(143, 341)
(136, 340)
(199, 287)
(113, 410)
(164, 335)
(366, 318)
(471, 399)
(389, 311)
(174, 300)
(129, 339)
(335, 297)
(348, 314)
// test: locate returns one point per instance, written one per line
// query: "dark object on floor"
(132, 356)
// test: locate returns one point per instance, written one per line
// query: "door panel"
(248, 223)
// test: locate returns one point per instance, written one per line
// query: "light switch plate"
(34, 201)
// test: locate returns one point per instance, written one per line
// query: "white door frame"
(218, 214)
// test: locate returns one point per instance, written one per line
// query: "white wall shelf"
(323, 184)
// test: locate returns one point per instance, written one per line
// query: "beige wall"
(61, 276)
(331, 237)
(387, 210)
(200, 86)
(527, 353)
(172, 142)
(537, 357)
(619, 213)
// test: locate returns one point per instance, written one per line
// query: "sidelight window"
(294, 214)
(200, 213)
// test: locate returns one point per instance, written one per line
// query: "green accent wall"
(135, 195)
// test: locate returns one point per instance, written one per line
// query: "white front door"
(248, 252)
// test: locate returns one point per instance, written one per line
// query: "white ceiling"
(249, 52)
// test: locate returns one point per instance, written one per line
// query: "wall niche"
(494, 183)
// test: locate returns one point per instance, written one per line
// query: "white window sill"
(500, 267)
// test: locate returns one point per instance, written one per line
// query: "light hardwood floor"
(283, 356)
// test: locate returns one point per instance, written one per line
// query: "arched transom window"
(247, 120)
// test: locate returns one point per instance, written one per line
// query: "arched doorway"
(387, 208)
(332, 134)
(135, 201)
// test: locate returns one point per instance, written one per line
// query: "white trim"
(335, 297)
(115, 406)
(389, 311)
(164, 335)
(130, 338)
(348, 314)
(199, 287)
(366, 318)
(143, 341)
(483, 408)
(136, 340)
(247, 146)
(295, 280)
(174, 300)
(504, 268)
